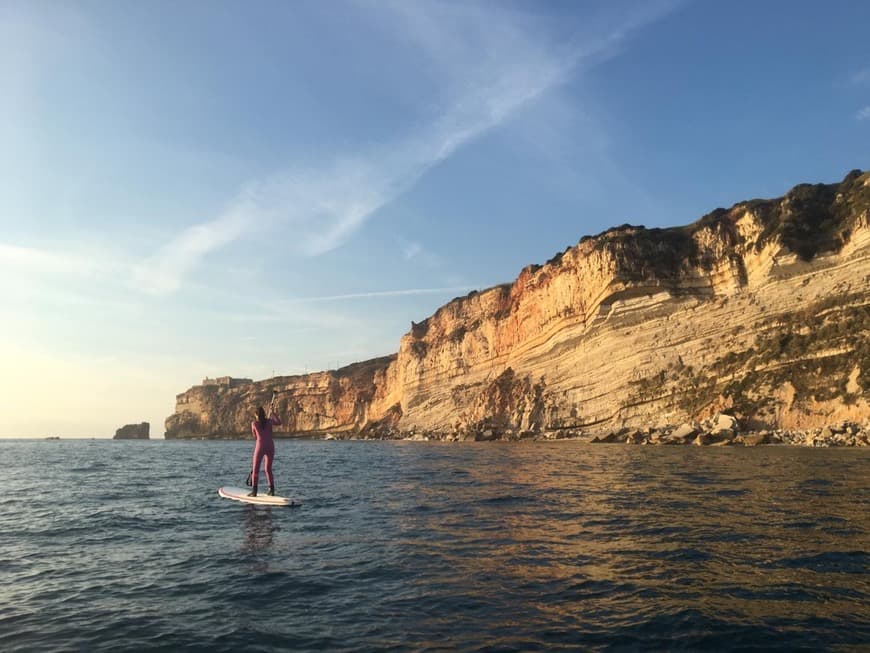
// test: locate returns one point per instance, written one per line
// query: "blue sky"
(200, 189)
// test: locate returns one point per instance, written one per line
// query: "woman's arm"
(273, 414)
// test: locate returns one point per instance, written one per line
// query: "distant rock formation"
(133, 432)
(760, 311)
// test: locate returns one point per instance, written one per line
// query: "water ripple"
(429, 547)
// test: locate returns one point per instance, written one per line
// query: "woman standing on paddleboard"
(264, 449)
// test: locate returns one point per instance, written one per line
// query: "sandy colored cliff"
(761, 310)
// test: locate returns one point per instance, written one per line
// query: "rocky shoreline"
(724, 430)
(720, 430)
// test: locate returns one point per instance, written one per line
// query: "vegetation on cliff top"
(814, 218)
(809, 219)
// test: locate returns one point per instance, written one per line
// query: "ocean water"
(110, 545)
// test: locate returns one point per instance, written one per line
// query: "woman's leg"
(255, 469)
(268, 460)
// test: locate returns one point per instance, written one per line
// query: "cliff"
(337, 401)
(761, 310)
(133, 432)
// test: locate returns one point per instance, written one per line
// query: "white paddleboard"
(263, 499)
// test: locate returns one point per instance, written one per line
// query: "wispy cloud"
(492, 66)
(385, 293)
(42, 260)
(77, 281)
(307, 314)
(416, 253)
(861, 77)
(411, 251)
(163, 273)
(863, 114)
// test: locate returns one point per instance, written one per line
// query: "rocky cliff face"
(762, 310)
(324, 402)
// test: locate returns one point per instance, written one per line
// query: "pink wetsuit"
(265, 448)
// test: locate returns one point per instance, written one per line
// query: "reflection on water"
(629, 536)
(415, 546)
(259, 528)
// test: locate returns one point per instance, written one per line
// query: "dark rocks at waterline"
(133, 432)
(721, 430)
(724, 430)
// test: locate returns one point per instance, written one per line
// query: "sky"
(192, 189)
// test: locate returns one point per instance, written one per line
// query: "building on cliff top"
(226, 382)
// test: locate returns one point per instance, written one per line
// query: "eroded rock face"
(133, 432)
(324, 402)
(760, 312)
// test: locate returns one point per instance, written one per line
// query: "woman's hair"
(261, 416)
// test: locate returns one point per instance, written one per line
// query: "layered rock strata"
(337, 402)
(761, 311)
